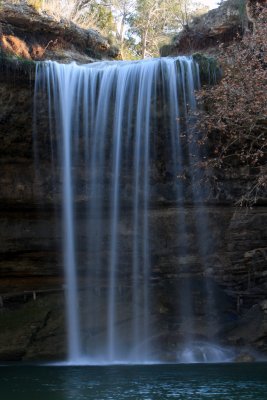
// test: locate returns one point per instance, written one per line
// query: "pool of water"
(153, 382)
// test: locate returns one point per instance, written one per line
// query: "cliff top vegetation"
(234, 112)
(138, 27)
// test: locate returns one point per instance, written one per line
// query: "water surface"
(151, 382)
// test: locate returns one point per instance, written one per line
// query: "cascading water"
(108, 119)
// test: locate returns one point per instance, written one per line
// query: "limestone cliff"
(31, 35)
(31, 266)
(205, 33)
(32, 323)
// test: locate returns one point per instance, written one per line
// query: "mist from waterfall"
(108, 119)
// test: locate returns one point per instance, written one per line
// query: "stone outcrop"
(205, 33)
(28, 34)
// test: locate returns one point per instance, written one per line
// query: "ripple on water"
(158, 382)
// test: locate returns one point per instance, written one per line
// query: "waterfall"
(113, 123)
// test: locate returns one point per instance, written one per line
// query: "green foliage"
(131, 50)
(93, 14)
(103, 18)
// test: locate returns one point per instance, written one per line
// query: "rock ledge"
(31, 35)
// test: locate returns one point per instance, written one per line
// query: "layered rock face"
(31, 268)
(32, 310)
(28, 34)
(205, 33)
(21, 222)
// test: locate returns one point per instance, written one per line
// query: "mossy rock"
(209, 69)
(166, 50)
(20, 66)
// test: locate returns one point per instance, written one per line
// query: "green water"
(155, 382)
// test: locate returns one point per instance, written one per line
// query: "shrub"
(234, 112)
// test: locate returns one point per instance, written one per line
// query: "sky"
(210, 3)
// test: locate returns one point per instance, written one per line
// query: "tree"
(147, 23)
(155, 21)
(142, 25)
(123, 10)
(94, 14)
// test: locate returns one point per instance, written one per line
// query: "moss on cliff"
(209, 69)
(16, 64)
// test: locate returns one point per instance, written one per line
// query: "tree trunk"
(144, 44)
